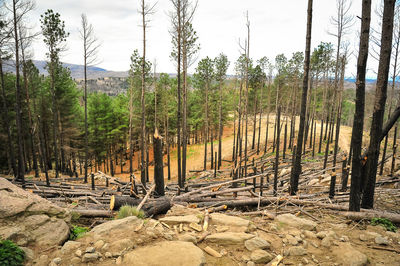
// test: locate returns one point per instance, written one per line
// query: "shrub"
(387, 224)
(11, 254)
(77, 232)
(127, 210)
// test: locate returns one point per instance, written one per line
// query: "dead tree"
(358, 122)
(379, 105)
(158, 164)
(294, 180)
(90, 49)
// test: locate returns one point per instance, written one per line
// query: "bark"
(143, 146)
(276, 164)
(220, 127)
(158, 164)
(294, 181)
(379, 106)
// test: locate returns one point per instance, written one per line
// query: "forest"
(259, 135)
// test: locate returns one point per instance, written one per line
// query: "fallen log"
(150, 208)
(394, 217)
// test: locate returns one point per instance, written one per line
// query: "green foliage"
(11, 254)
(77, 232)
(127, 210)
(386, 223)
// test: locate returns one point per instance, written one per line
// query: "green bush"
(127, 210)
(77, 232)
(387, 224)
(11, 254)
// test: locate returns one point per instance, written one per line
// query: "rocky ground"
(179, 237)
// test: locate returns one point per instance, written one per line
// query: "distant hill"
(76, 70)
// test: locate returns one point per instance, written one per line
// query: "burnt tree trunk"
(294, 180)
(379, 106)
(158, 164)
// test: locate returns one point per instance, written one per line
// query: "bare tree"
(145, 11)
(90, 51)
(379, 105)
(358, 122)
(294, 180)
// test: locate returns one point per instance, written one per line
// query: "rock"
(168, 236)
(300, 223)
(256, 243)
(363, 237)
(344, 239)
(291, 240)
(29, 253)
(228, 238)
(30, 219)
(261, 256)
(186, 219)
(250, 263)
(227, 220)
(166, 253)
(188, 238)
(122, 244)
(309, 234)
(322, 234)
(347, 255)
(70, 246)
(326, 242)
(99, 244)
(90, 250)
(245, 258)
(56, 261)
(78, 253)
(118, 261)
(88, 257)
(108, 255)
(381, 240)
(297, 251)
(124, 225)
(75, 261)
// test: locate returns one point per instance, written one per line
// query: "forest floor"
(248, 235)
(195, 152)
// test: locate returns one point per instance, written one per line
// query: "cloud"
(276, 27)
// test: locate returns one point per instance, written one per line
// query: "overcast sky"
(277, 26)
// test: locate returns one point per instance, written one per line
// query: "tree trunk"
(379, 106)
(158, 164)
(276, 164)
(18, 94)
(294, 181)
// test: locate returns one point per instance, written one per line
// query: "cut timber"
(394, 217)
(151, 207)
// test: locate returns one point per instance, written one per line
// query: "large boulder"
(28, 219)
(297, 222)
(177, 253)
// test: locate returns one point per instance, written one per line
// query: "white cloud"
(276, 27)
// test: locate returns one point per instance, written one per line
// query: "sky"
(275, 26)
